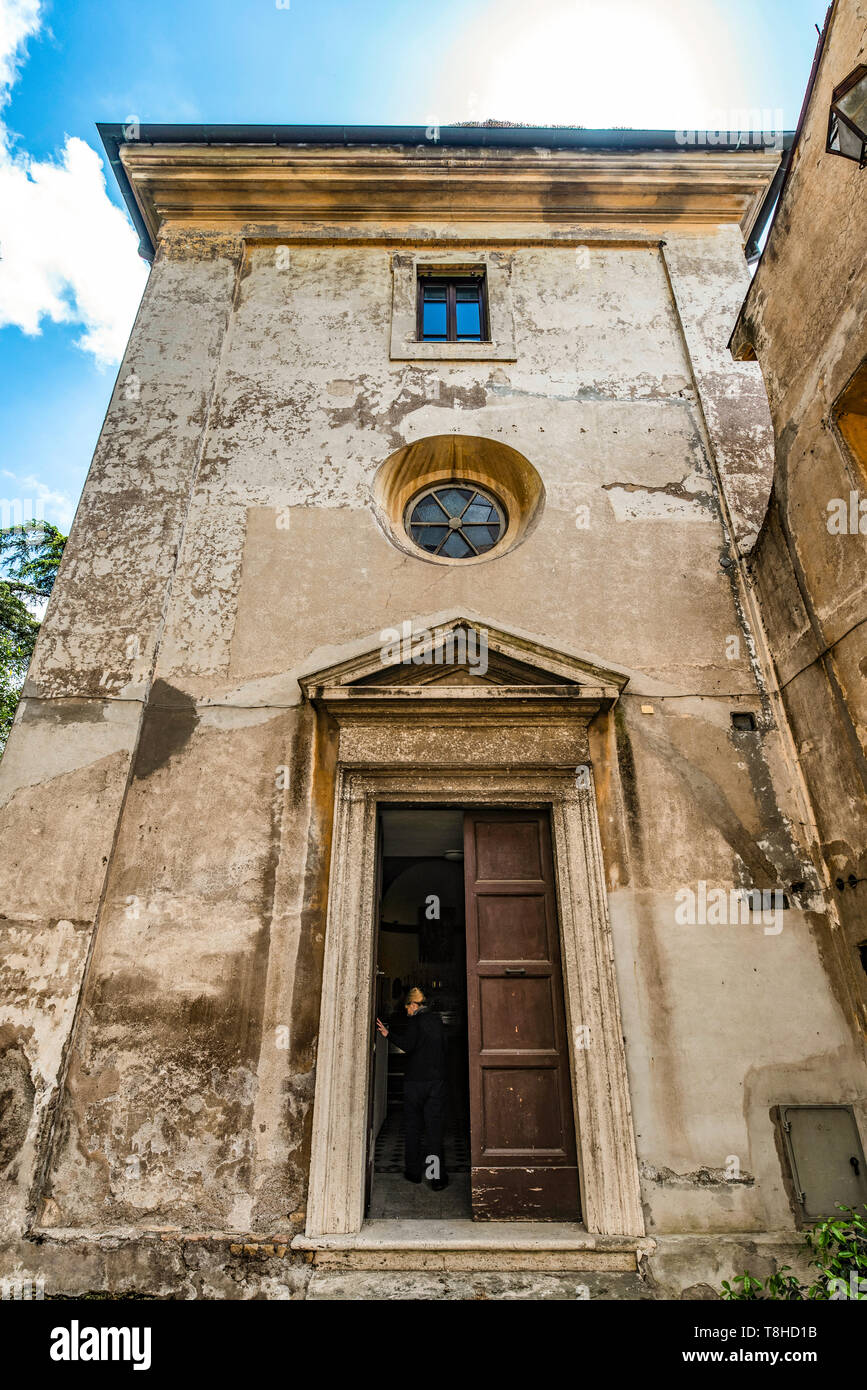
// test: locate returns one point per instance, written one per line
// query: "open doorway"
(468, 916)
(421, 943)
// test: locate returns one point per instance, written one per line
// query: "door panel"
(523, 1150)
(516, 1014)
(511, 926)
(507, 850)
(521, 1108)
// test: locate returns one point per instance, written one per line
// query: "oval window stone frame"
(467, 460)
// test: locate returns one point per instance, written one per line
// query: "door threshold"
(408, 1244)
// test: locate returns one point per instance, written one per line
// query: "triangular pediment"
(461, 658)
(462, 654)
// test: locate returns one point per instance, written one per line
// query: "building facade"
(417, 536)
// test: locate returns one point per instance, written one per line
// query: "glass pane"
(469, 319)
(429, 537)
(456, 547)
(454, 499)
(845, 140)
(854, 104)
(434, 292)
(481, 523)
(428, 509)
(433, 323)
(479, 510)
(482, 537)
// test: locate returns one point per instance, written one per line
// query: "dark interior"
(421, 942)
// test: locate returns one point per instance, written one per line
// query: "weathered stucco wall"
(806, 319)
(65, 771)
(169, 794)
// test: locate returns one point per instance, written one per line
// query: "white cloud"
(66, 252)
(19, 19)
(24, 496)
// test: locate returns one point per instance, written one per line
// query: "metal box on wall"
(825, 1157)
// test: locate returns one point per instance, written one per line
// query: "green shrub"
(838, 1246)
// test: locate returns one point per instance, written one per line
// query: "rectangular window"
(850, 414)
(452, 311)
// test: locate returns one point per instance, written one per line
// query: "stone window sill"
(452, 352)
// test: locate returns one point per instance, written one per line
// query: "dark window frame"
(459, 484)
(452, 284)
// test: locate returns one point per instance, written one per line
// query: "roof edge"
(114, 135)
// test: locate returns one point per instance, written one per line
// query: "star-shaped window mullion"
(436, 522)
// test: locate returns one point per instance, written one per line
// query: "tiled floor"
(388, 1155)
(392, 1196)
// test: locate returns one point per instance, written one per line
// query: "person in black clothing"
(421, 1037)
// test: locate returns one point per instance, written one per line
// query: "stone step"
(340, 1285)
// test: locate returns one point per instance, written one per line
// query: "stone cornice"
(238, 188)
(481, 707)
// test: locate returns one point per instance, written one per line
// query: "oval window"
(455, 520)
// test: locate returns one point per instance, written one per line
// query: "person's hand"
(382, 1028)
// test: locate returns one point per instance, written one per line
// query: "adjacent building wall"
(806, 319)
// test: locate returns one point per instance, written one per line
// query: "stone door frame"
(611, 1200)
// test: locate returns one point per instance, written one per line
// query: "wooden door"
(522, 1132)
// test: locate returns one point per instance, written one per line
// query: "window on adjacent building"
(452, 310)
(850, 413)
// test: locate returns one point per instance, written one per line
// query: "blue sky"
(69, 274)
